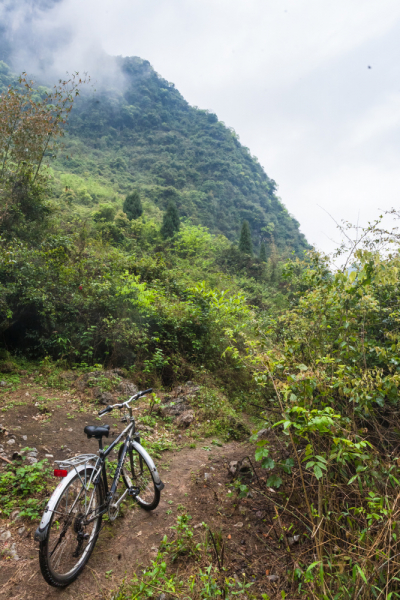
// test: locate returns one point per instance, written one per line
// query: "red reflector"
(60, 473)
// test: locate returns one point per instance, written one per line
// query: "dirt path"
(132, 539)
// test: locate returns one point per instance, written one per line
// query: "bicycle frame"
(101, 470)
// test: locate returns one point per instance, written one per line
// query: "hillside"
(138, 131)
(94, 300)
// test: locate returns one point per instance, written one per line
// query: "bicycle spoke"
(70, 534)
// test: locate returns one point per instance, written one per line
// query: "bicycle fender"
(41, 531)
(149, 460)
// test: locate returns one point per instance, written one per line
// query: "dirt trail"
(133, 538)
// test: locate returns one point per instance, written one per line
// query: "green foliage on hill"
(263, 253)
(145, 135)
(245, 243)
(133, 206)
(171, 223)
(86, 283)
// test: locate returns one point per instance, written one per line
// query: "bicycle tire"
(137, 473)
(68, 538)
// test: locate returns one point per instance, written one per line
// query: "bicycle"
(71, 521)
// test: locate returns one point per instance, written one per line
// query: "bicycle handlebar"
(111, 407)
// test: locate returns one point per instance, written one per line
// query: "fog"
(310, 87)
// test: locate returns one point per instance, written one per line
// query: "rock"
(240, 524)
(293, 540)
(233, 467)
(127, 388)
(162, 597)
(21, 531)
(193, 389)
(5, 536)
(32, 460)
(207, 476)
(106, 398)
(49, 455)
(25, 437)
(272, 577)
(13, 552)
(263, 434)
(69, 376)
(174, 408)
(185, 419)
(3, 383)
(10, 442)
(33, 453)
(147, 428)
(7, 367)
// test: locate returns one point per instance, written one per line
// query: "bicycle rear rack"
(88, 460)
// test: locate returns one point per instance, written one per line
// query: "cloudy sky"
(312, 87)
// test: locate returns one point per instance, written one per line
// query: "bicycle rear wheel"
(136, 473)
(71, 534)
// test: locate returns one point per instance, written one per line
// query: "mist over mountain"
(133, 128)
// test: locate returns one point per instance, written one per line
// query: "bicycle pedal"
(133, 491)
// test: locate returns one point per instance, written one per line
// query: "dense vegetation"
(145, 135)
(92, 284)
(84, 282)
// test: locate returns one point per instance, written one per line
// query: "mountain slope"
(145, 134)
(137, 130)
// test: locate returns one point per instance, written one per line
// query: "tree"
(133, 206)
(245, 243)
(263, 253)
(105, 213)
(171, 221)
(31, 125)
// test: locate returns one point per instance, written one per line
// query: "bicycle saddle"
(97, 432)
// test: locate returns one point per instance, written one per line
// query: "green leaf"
(274, 481)
(268, 463)
(261, 453)
(317, 472)
(352, 479)
(361, 572)
(288, 465)
(321, 458)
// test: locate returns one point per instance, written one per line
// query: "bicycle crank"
(113, 508)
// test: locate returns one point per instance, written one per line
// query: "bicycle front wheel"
(136, 473)
(73, 530)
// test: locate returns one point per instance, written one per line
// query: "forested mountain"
(140, 132)
(106, 262)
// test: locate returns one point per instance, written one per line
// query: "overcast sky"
(291, 76)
